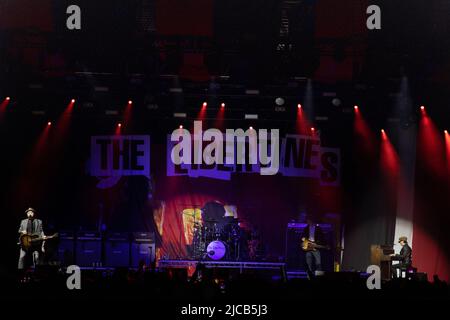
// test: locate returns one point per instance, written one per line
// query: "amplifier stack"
(114, 249)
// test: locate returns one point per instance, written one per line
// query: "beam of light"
(63, 124)
(118, 129)
(430, 145)
(364, 137)
(4, 104)
(389, 161)
(305, 111)
(127, 115)
(303, 126)
(40, 149)
(202, 113)
(3, 107)
(201, 116)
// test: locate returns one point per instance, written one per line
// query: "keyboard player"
(404, 257)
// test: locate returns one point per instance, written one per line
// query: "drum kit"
(217, 240)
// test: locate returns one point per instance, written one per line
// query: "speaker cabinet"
(88, 249)
(143, 248)
(66, 248)
(117, 250)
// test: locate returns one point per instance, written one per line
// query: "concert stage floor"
(241, 265)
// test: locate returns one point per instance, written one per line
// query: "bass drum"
(216, 250)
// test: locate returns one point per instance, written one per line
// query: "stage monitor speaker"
(143, 248)
(66, 248)
(88, 249)
(117, 250)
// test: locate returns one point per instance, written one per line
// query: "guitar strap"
(30, 226)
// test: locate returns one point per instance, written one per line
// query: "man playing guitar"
(312, 235)
(31, 227)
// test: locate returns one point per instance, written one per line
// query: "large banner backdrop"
(308, 179)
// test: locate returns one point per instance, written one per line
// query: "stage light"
(251, 128)
(8, 98)
(223, 105)
(299, 106)
(181, 127)
(279, 101)
(422, 108)
(336, 102)
(445, 132)
(73, 100)
(130, 102)
(205, 104)
(356, 107)
(119, 124)
(49, 123)
(313, 129)
(382, 130)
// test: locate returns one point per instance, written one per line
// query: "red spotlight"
(313, 129)
(389, 162)
(422, 108)
(445, 132)
(181, 127)
(223, 105)
(119, 124)
(251, 128)
(49, 123)
(73, 100)
(299, 106)
(356, 107)
(3, 106)
(130, 102)
(202, 113)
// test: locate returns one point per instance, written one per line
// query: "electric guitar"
(26, 241)
(308, 245)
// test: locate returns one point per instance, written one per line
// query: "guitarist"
(31, 226)
(314, 234)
